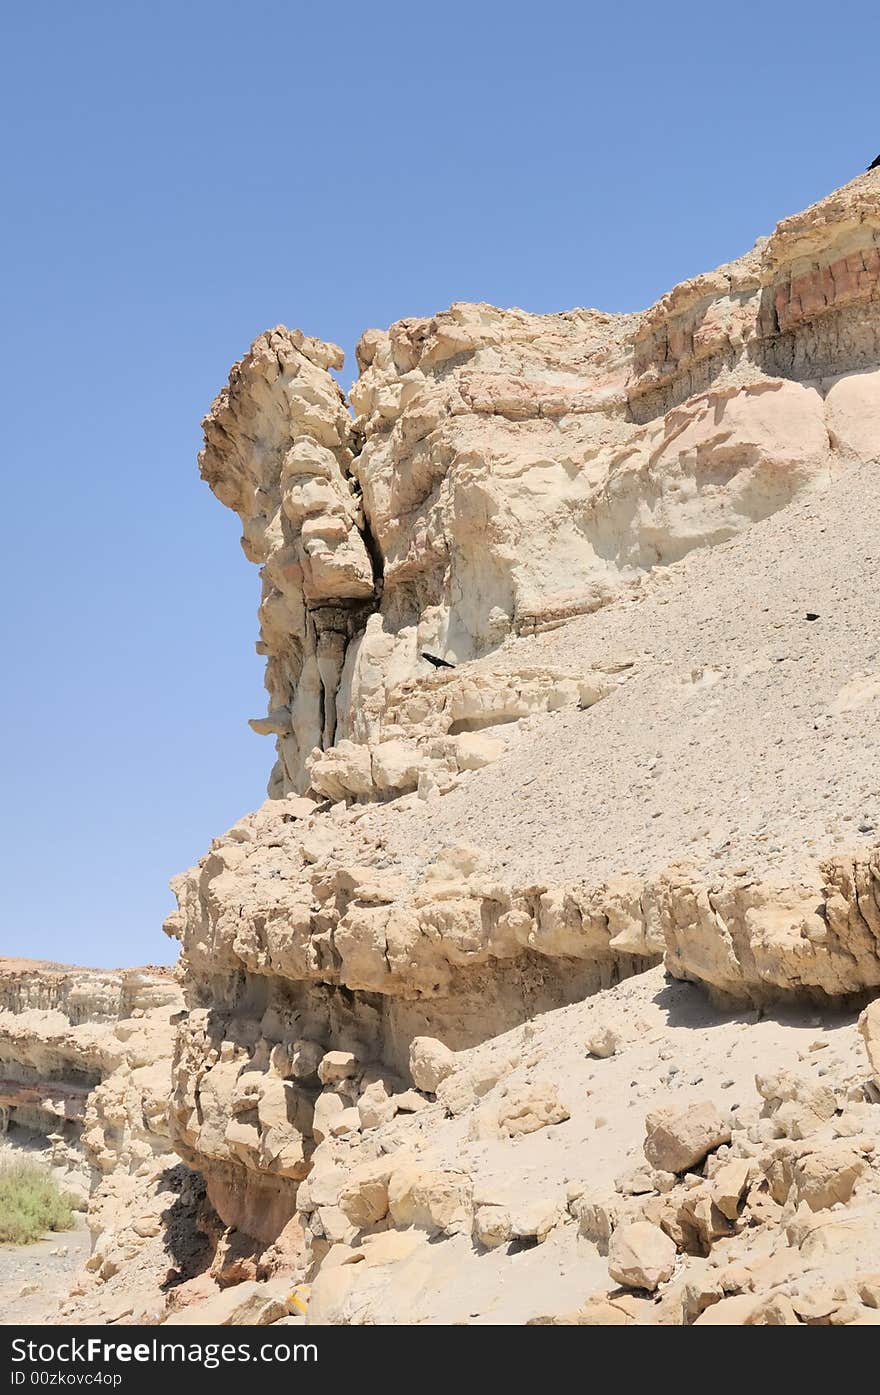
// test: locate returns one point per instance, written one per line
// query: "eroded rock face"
(496, 474)
(315, 999)
(313, 969)
(762, 941)
(504, 471)
(278, 450)
(65, 1031)
(86, 1064)
(427, 1025)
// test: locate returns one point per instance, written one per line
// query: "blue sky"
(180, 176)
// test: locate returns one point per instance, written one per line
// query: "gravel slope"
(744, 732)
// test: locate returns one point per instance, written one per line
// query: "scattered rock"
(336, 1066)
(250, 1304)
(641, 1256)
(729, 1184)
(677, 1141)
(430, 1199)
(529, 1108)
(364, 1197)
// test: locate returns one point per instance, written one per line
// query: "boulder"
(430, 1062)
(826, 1176)
(336, 1066)
(640, 1255)
(250, 1304)
(528, 1108)
(329, 1292)
(329, 1106)
(364, 1197)
(430, 1199)
(730, 1312)
(492, 1226)
(729, 1185)
(797, 1106)
(376, 1105)
(679, 1140)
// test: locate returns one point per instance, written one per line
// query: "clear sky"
(178, 177)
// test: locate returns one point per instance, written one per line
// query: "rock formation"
(64, 1034)
(531, 992)
(504, 472)
(85, 1058)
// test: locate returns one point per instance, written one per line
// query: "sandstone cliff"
(614, 529)
(531, 992)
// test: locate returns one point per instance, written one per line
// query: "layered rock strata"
(63, 1033)
(86, 1066)
(503, 472)
(526, 499)
(544, 957)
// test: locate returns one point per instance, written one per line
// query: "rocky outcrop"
(86, 1064)
(764, 941)
(671, 1176)
(504, 472)
(63, 1032)
(500, 474)
(279, 445)
(376, 963)
(345, 958)
(801, 306)
(549, 941)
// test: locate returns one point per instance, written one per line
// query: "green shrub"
(30, 1203)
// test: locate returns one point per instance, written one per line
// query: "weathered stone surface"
(827, 1176)
(798, 1107)
(570, 669)
(530, 1108)
(430, 1062)
(678, 1141)
(382, 539)
(248, 1304)
(641, 1256)
(336, 1066)
(869, 1026)
(364, 1197)
(430, 1200)
(85, 1066)
(729, 1184)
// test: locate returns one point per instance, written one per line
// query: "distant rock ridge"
(85, 1068)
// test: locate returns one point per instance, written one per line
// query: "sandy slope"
(743, 733)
